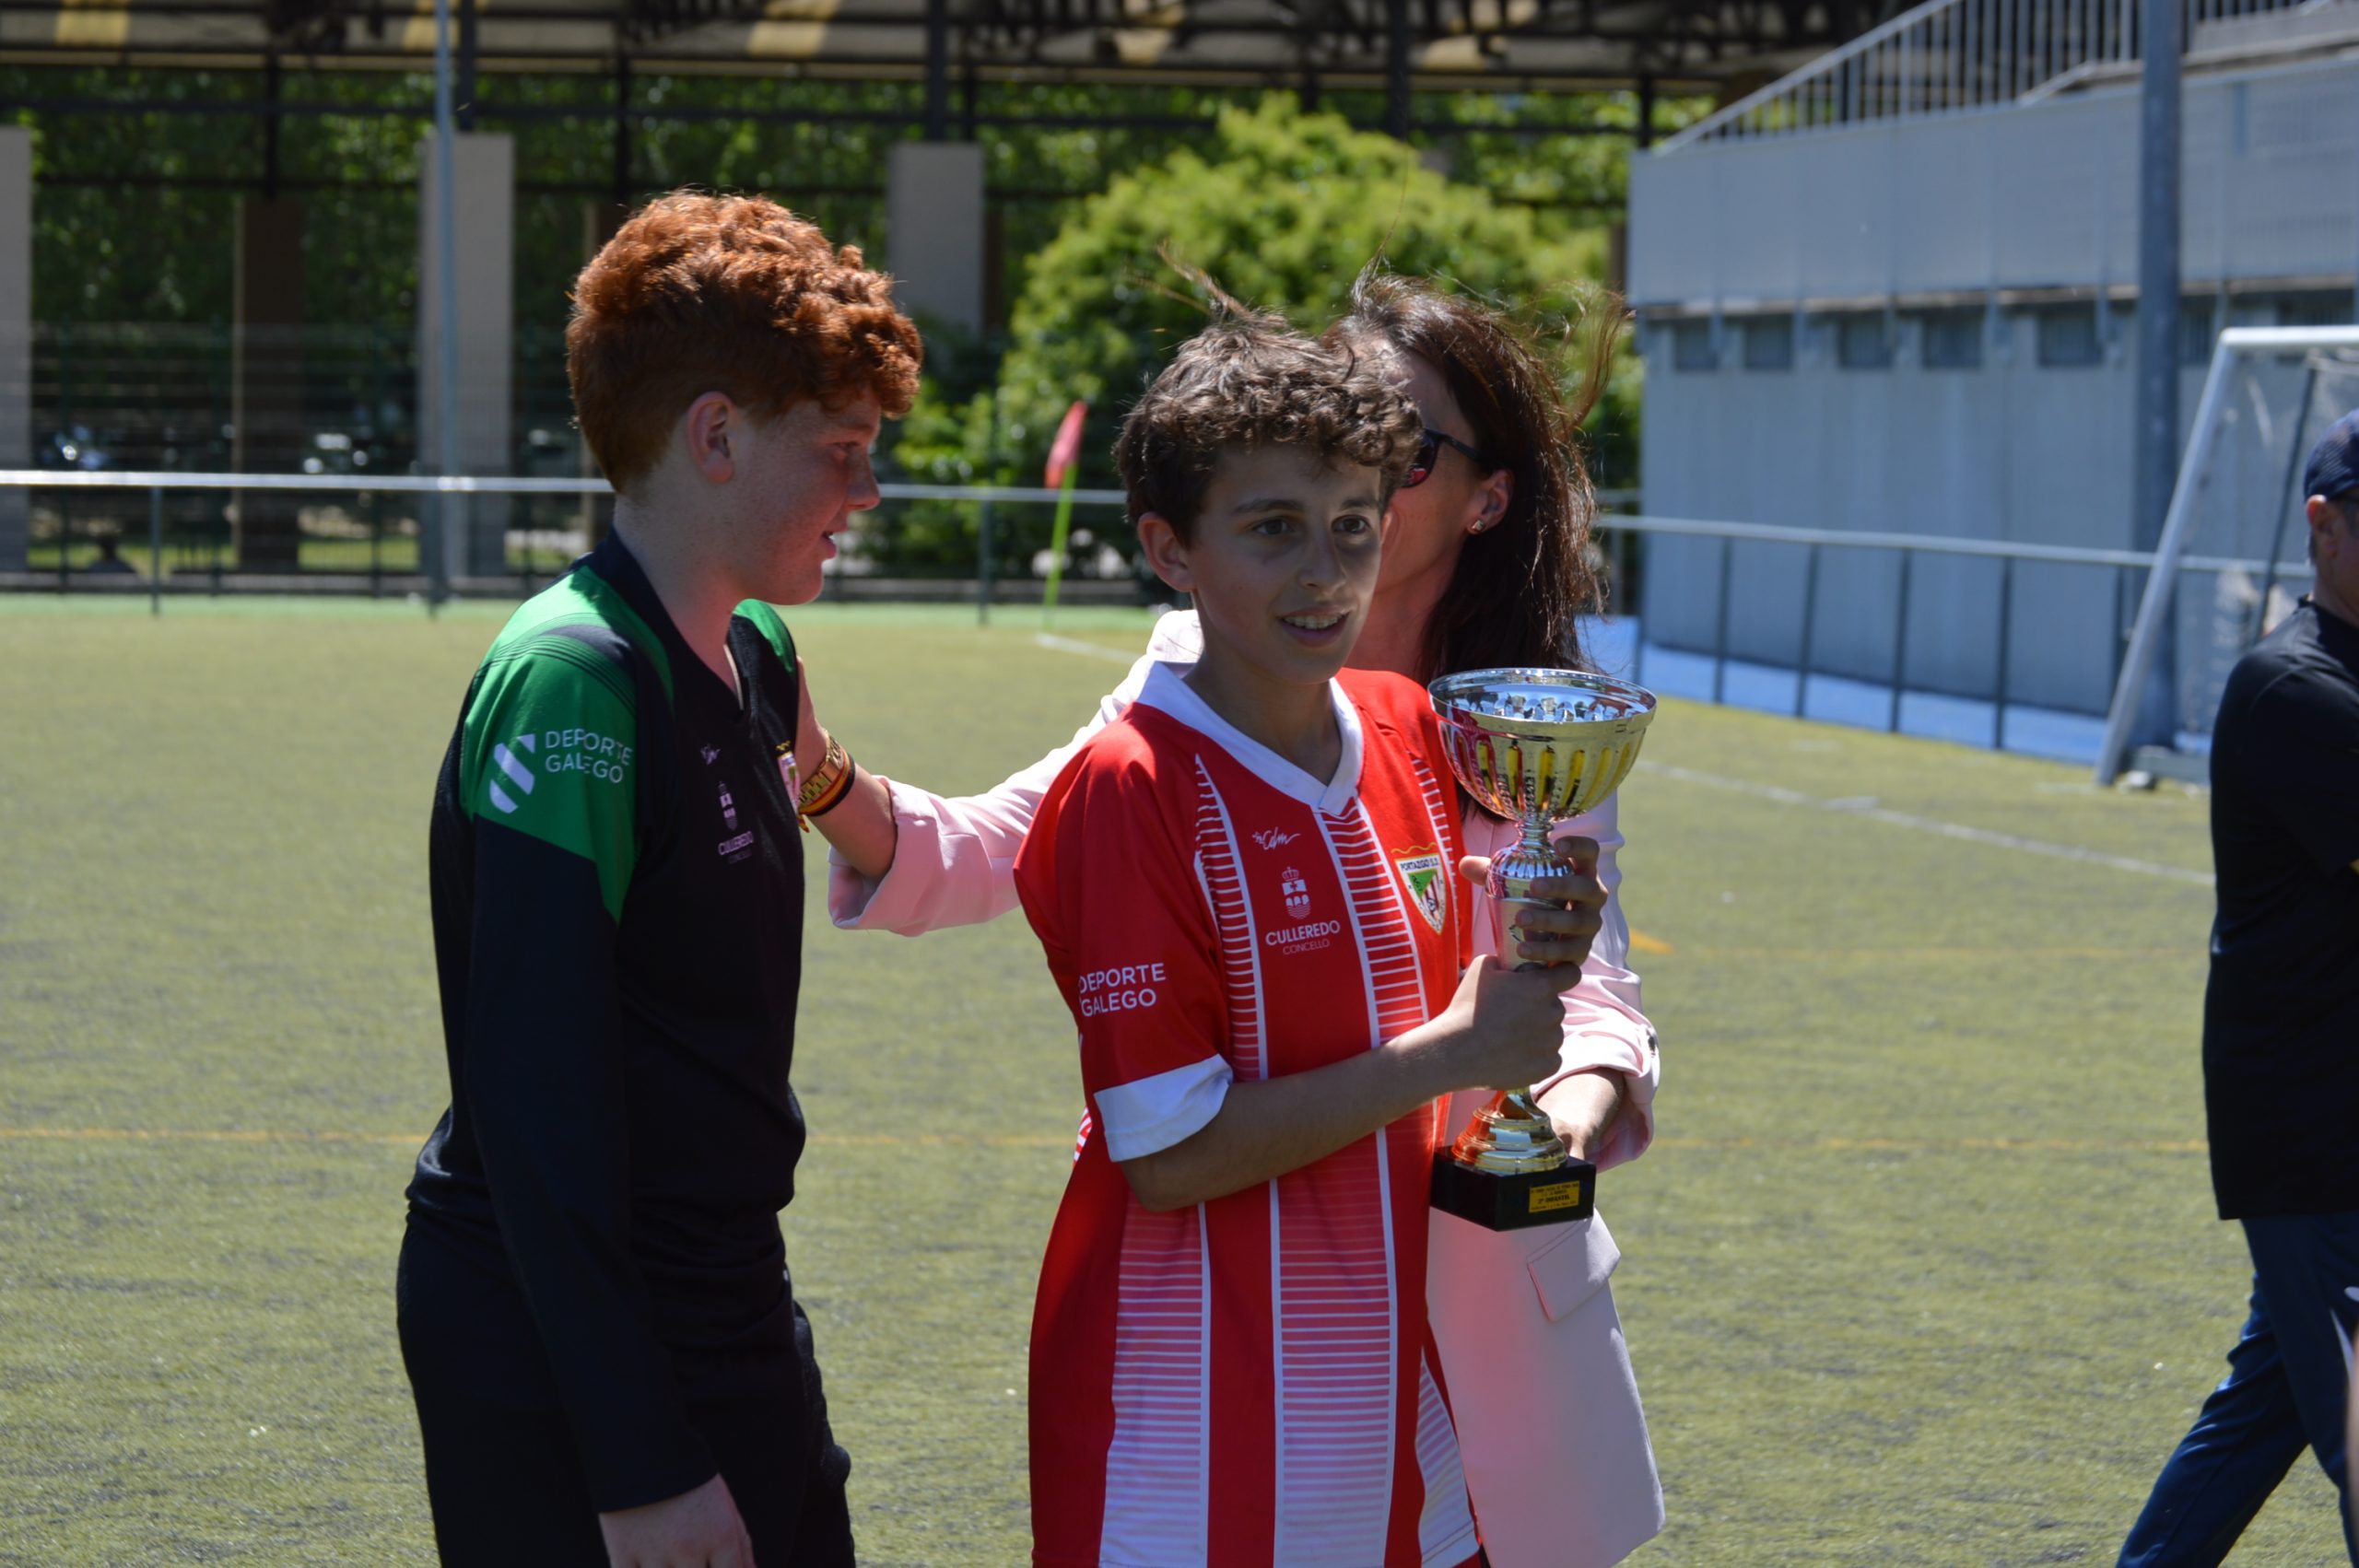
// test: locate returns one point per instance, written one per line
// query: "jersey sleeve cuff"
(639, 1482)
(638, 1446)
(1150, 1114)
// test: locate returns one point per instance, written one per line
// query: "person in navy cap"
(2281, 1047)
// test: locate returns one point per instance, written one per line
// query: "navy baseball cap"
(2334, 468)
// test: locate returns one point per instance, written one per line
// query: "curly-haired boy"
(606, 1356)
(1246, 888)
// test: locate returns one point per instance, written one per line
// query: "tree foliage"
(138, 173)
(1282, 210)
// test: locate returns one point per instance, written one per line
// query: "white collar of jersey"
(1167, 691)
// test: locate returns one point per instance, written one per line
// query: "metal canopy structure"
(1396, 46)
(956, 73)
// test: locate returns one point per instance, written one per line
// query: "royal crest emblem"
(1296, 891)
(1422, 875)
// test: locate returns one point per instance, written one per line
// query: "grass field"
(1920, 1270)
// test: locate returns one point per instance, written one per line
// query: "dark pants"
(2288, 1380)
(501, 1473)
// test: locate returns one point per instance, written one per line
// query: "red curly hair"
(728, 294)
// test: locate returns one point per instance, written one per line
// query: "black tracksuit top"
(617, 896)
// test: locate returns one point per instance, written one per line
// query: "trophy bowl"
(1538, 747)
(1541, 746)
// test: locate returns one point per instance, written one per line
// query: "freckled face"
(805, 473)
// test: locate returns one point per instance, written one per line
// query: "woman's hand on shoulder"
(810, 741)
(860, 826)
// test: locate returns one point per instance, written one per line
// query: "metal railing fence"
(1951, 56)
(386, 552)
(1621, 538)
(2127, 570)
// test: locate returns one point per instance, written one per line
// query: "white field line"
(1862, 808)
(1846, 807)
(1086, 649)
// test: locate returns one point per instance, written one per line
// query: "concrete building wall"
(2002, 215)
(484, 203)
(933, 231)
(2011, 451)
(2027, 198)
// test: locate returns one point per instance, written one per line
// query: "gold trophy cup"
(1538, 747)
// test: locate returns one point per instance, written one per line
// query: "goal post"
(2233, 524)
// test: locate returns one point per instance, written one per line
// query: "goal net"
(2231, 561)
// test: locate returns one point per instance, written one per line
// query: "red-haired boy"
(1246, 888)
(609, 1363)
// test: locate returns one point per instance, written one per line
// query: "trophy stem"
(1512, 877)
(1535, 845)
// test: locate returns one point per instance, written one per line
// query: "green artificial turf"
(1921, 1269)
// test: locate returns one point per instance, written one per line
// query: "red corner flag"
(1065, 450)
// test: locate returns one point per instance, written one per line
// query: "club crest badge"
(1297, 891)
(1421, 875)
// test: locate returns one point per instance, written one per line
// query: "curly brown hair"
(735, 295)
(1521, 588)
(1249, 380)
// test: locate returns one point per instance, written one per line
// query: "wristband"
(832, 762)
(826, 785)
(835, 796)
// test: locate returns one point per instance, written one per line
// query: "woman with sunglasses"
(1484, 565)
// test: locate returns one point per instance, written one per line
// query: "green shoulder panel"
(768, 622)
(552, 735)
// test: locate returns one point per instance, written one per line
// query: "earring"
(1477, 526)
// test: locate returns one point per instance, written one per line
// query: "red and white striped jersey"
(1249, 1383)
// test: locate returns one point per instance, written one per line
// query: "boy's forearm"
(1269, 1127)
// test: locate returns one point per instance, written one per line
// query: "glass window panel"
(1862, 343)
(1691, 347)
(1769, 342)
(1952, 339)
(2067, 335)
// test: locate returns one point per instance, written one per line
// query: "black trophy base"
(1511, 1201)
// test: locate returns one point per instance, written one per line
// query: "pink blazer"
(1558, 1465)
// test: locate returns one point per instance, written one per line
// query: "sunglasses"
(1429, 445)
